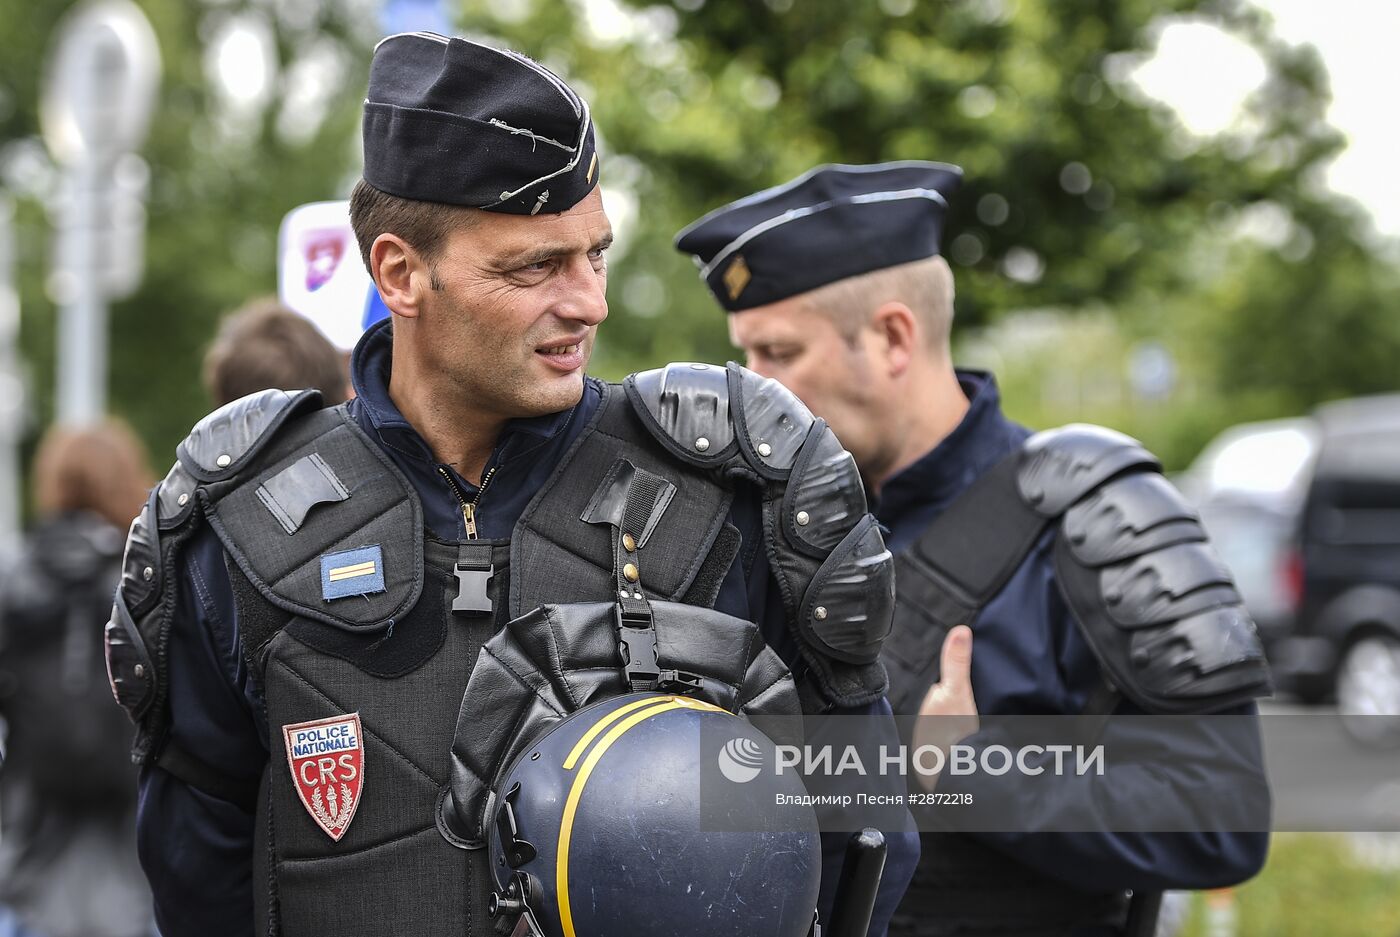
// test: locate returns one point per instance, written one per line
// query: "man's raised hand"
(948, 713)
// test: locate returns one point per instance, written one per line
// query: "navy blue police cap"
(828, 224)
(449, 120)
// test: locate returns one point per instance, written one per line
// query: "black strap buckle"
(680, 681)
(637, 645)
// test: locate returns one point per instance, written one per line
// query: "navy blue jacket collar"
(984, 437)
(540, 440)
(369, 374)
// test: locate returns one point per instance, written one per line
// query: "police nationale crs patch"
(328, 769)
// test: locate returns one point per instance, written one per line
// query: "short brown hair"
(100, 468)
(423, 225)
(264, 344)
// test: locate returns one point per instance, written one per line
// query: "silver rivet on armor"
(699, 367)
(147, 573)
(223, 461)
(765, 450)
(183, 500)
(622, 593)
(702, 444)
(819, 613)
(139, 670)
(637, 595)
(803, 518)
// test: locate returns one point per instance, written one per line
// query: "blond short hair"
(925, 286)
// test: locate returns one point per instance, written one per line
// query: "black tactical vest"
(346, 607)
(1158, 608)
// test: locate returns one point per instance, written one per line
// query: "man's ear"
(399, 273)
(897, 326)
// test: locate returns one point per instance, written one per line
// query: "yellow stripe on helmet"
(566, 826)
(606, 721)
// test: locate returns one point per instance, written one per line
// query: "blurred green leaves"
(1082, 196)
(220, 184)
(1081, 193)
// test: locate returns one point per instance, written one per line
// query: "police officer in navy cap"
(338, 627)
(835, 286)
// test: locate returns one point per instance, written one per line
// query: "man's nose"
(583, 297)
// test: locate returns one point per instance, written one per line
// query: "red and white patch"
(328, 769)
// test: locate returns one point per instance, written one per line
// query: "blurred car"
(1249, 486)
(1345, 641)
(1306, 512)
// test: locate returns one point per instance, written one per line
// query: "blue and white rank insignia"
(353, 572)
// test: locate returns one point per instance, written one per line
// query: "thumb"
(956, 672)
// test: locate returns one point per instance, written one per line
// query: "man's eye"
(533, 270)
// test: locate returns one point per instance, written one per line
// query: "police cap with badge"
(1134, 564)
(448, 120)
(826, 225)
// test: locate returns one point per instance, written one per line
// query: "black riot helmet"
(599, 828)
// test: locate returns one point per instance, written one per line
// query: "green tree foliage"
(220, 183)
(1080, 192)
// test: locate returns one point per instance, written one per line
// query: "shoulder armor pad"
(771, 423)
(1060, 466)
(686, 407)
(225, 441)
(834, 573)
(849, 605)
(134, 637)
(1130, 515)
(704, 414)
(175, 497)
(1156, 604)
(142, 566)
(824, 496)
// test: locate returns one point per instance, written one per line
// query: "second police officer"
(306, 593)
(1085, 578)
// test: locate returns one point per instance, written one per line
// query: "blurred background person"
(264, 344)
(68, 790)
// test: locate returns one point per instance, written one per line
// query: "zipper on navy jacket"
(469, 508)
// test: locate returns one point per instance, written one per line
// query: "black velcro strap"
(964, 558)
(199, 774)
(641, 501)
(705, 589)
(983, 536)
